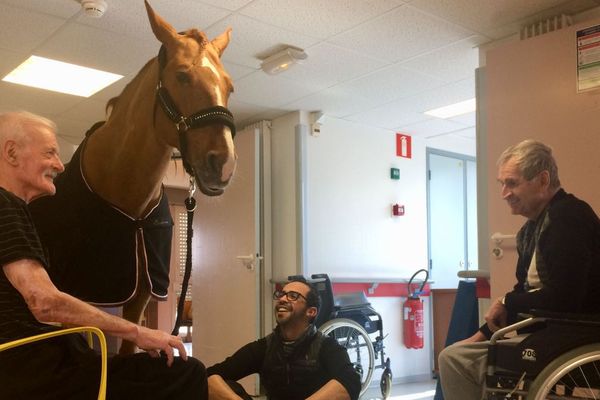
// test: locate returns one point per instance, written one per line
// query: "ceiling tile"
(58, 8)
(251, 38)
(453, 143)
(431, 127)
(268, 91)
(113, 90)
(469, 133)
(10, 61)
(242, 112)
(130, 18)
(468, 119)
(336, 102)
(72, 131)
(406, 32)
(17, 28)
(228, 4)
(440, 96)
(91, 47)
(317, 18)
(452, 63)
(487, 17)
(387, 116)
(43, 102)
(91, 110)
(392, 83)
(328, 65)
(236, 71)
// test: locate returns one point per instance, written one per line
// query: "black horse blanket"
(94, 249)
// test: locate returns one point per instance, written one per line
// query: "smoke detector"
(94, 8)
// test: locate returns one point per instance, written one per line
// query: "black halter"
(208, 116)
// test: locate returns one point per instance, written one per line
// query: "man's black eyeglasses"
(290, 296)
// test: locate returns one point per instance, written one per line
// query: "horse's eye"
(183, 77)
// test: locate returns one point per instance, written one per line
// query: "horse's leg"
(134, 309)
(133, 312)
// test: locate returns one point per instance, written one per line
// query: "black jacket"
(292, 372)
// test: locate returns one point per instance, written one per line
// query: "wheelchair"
(559, 360)
(351, 320)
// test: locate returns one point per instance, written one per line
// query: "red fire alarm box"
(397, 210)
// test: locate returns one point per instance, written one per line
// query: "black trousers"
(65, 368)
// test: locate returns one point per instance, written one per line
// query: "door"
(227, 261)
(452, 215)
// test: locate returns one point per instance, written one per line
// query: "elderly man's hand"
(496, 316)
(154, 341)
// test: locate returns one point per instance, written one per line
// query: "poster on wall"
(588, 58)
(403, 145)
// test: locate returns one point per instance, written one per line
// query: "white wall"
(351, 231)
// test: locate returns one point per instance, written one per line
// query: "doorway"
(452, 216)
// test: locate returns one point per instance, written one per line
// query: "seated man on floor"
(295, 361)
(65, 367)
(558, 268)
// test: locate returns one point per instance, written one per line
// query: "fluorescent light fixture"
(283, 60)
(453, 110)
(59, 76)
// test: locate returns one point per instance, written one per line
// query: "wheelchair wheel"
(357, 342)
(575, 374)
(385, 383)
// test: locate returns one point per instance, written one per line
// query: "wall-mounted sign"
(403, 145)
(588, 58)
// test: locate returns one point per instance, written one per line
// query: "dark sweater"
(566, 237)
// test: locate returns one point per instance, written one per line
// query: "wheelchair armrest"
(555, 315)
(499, 334)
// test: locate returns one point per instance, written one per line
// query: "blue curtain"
(464, 321)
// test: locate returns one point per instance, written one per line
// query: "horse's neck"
(125, 160)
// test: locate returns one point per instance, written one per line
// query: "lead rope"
(190, 206)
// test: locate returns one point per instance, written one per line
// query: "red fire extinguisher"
(413, 314)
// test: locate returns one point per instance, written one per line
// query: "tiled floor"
(408, 391)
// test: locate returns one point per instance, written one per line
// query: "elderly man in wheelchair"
(558, 270)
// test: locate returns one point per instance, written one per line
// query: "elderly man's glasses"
(290, 296)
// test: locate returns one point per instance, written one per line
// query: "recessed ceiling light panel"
(58, 76)
(453, 110)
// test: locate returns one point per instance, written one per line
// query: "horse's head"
(193, 91)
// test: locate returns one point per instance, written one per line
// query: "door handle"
(249, 261)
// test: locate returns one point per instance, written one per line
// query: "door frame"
(463, 157)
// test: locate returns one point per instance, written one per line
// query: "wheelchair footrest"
(502, 386)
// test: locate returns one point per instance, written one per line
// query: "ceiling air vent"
(544, 26)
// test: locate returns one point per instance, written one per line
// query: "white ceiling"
(381, 63)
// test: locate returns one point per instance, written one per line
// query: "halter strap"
(216, 114)
(207, 116)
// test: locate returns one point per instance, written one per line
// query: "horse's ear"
(221, 41)
(163, 31)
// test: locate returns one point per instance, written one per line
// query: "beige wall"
(531, 93)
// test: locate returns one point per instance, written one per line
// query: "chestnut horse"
(177, 100)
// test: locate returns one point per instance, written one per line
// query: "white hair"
(16, 125)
